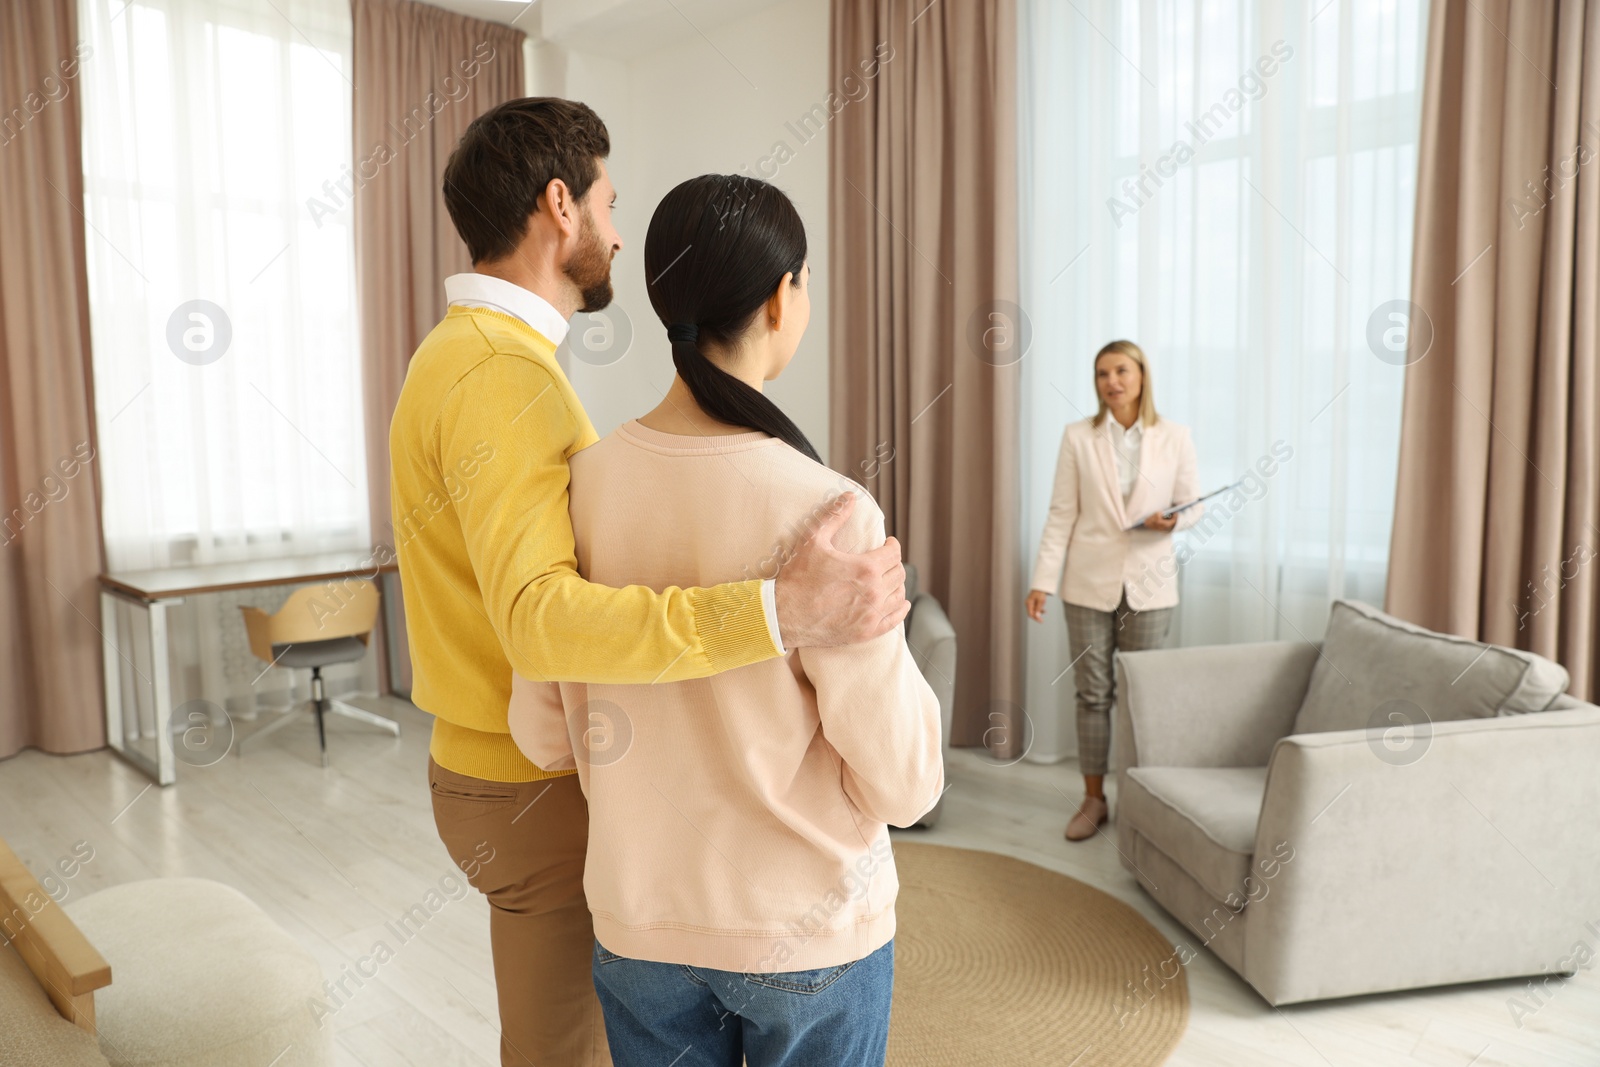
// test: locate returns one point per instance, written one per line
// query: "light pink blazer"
(1086, 526)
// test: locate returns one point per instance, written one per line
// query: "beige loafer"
(1090, 815)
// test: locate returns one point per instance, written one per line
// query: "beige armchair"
(1388, 809)
(204, 978)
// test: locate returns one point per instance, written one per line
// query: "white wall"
(686, 108)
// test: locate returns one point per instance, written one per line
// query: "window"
(1231, 185)
(222, 300)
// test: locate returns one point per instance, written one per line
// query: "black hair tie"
(683, 331)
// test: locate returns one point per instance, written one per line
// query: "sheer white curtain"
(1230, 184)
(216, 141)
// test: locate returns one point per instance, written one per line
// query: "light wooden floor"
(334, 855)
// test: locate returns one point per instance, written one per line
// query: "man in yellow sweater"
(479, 445)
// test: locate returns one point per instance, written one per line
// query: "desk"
(156, 590)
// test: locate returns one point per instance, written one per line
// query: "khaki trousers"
(522, 845)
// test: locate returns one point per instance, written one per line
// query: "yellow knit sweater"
(478, 449)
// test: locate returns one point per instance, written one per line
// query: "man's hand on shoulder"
(829, 597)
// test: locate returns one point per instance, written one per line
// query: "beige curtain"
(50, 661)
(1497, 518)
(923, 322)
(421, 75)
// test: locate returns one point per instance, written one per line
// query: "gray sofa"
(933, 647)
(1387, 809)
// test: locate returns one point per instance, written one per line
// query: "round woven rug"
(998, 961)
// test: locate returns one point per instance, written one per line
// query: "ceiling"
(615, 28)
(525, 14)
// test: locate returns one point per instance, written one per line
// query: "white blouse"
(1126, 446)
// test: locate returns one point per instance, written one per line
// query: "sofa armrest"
(1465, 856)
(1213, 706)
(66, 965)
(932, 640)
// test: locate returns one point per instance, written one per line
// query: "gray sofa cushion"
(1370, 659)
(1204, 818)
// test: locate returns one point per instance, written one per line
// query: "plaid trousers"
(1092, 637)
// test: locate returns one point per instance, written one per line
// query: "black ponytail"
(717, 247)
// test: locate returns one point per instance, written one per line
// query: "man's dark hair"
(501, 166)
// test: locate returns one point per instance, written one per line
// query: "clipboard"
(1167, 512)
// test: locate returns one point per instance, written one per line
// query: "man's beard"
(590, 267)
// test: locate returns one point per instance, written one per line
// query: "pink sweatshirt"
(736, 822)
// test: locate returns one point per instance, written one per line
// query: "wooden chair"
(318, 626)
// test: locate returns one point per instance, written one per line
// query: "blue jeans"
(666, 1013)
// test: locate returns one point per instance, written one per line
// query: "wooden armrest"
(55, 950)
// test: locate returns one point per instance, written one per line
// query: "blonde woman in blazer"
(1118, 586)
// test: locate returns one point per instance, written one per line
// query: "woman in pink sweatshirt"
(739, 870)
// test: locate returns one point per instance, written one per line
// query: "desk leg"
(387, 581)
(161, 676)
(122, 721)
(113, 670)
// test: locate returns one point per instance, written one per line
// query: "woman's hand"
(1159, 524)
(1036, 602)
